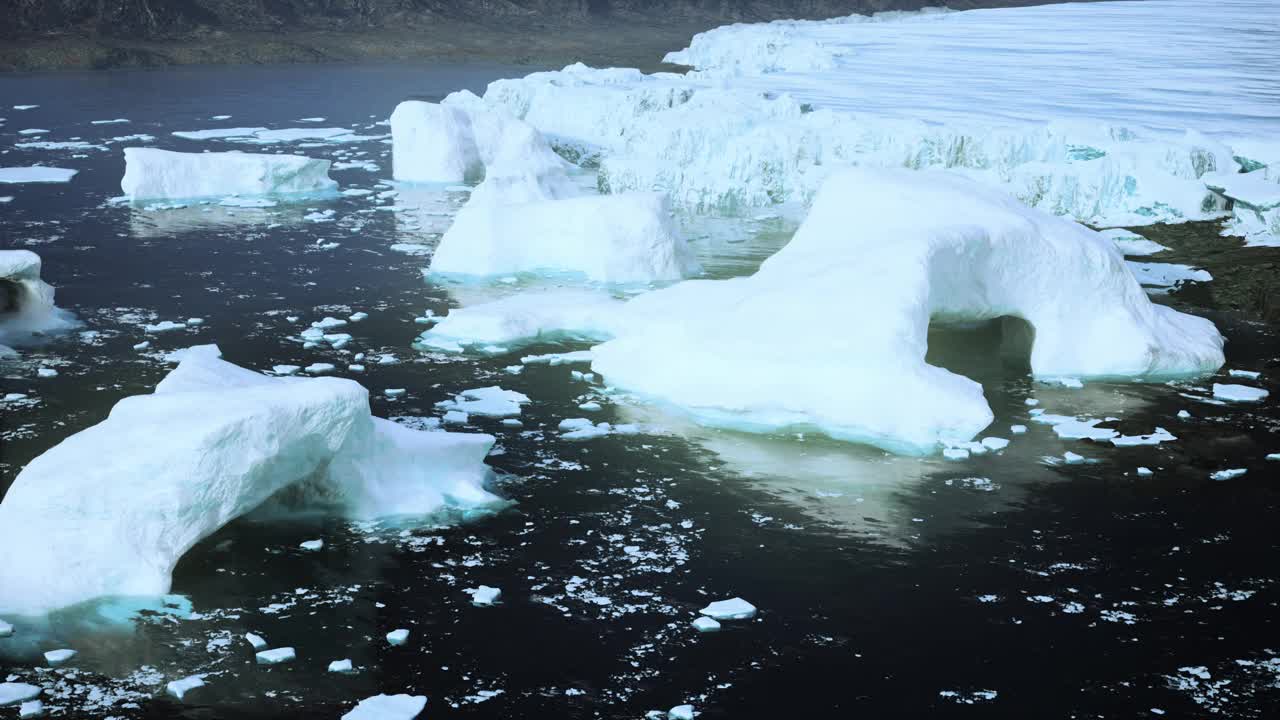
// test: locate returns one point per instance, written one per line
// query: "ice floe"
(1239, 393)
(388, 707)
(484, 595)
(36, 174)
(152, 174)
(731, 609)
(276, 656)
(178, 689)
(490, 401)
(12, 693)
(398, 637)
(245, 436)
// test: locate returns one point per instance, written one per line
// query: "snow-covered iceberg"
(830, 334)
(26, 301)
(1083, 124)
(116, 505)
(152, 174)
(529, 214)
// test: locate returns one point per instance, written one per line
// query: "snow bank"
(773, 108)
(117, 508)
(610, 238)
(152, 174)
(830, 334)
(26, 301)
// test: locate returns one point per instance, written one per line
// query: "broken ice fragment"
(1239, 393)
(58, 657)
(1231, 474)
(995, 443)
(388, 707)
(276, 656)
(394, 392)
(705, 624)
(319, 368)
(484, 595)
(955, 453)
(31, 709)
(1145, 472)
(1072, 458)
(46, 372)
(680, 712)
(340, 666)
(256, 641)
(357, 317)
(398, 637)
(285, 369)
(1017, 429)
(12, 693)
(179, 688)
(312, 545)
(731, 609)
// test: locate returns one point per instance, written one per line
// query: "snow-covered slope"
(152, 174)
(26, 301)
(116, 505)
(1106, 112)
(830, 334)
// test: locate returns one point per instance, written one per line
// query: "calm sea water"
(1009, 585)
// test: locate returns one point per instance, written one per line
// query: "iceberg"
(889, 252)
(624, 238)
(26, 302)
(152, 174)
(119, 509)
(388, 707)
(771, 109)
(36, 174)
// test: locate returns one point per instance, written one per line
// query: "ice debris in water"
(732, 609)
(705, 624)
(490, 401)
(179, 688)
(6, 630)
(1230, 474)
(36, 174)
(276, 656)
(31, 709)
(12, 693)
(681, 712)
(58, 657)
(1239, 393)
(257, 642)
(255, 435)
(398, 637)
(312, 545)
(1160, 435)
(388, 707)
(484, 595)
(341, 666)
(152, 174)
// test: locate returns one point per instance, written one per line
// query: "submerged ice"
(118, 509)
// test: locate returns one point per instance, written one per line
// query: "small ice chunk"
(681, 712)
(164, 326)
(31, 709)
(1231, 474)
(456, 417)
(277, 656)
(340, 666)
(1072, 458)
(574, 424)
(1145, 472)
(319, 368)
(591, 406)
(1239, 393)
(356, 368)
(179, 688)
(394, 392)
(12, 693)
(1017, 429)
(142, 345)
(1155, 438)
(256, 641)
(387, 359)
(1184, 414)
(285, 369)
(731, 609)
(312, 545)
(45, 372)
(388, 707)
(58, 657)
(357, 317)
(1274, 457)
(35, 174)
(995, 443)
(955, 453)
(705, 624)
(6, 630)
(512, 423)
(484, 595)
(398, 637)
(328, 322)
(1250, 374)
(195, 321)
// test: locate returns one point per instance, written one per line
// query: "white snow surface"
(26, 301)
(117, 523)
(152, 174)
(1111, 113)
(388, 707)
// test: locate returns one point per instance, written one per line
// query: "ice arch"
(26, 301)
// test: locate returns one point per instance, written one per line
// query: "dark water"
(1008, 585)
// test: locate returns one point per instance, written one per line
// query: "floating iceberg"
(118, 509)
(830, 334)
(625, 238)
(36, 174)
(152, 174)
(773, 108)
(388, 707)
(26, 301)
